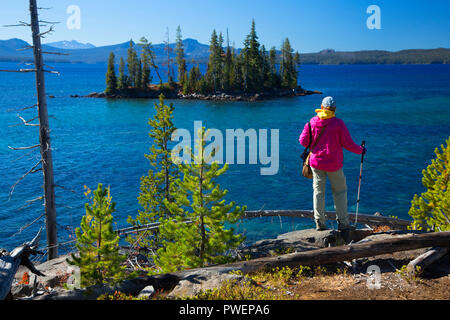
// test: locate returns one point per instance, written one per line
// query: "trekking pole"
(359, 184)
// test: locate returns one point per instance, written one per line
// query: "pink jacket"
(327, 155)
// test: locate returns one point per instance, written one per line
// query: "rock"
(295, 241)
(147, 292)
(21, 290)
(90, 293)
(55, 271)
(193, 283)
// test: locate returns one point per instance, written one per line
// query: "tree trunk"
(428, 258)
(372, 220)
(44, 137)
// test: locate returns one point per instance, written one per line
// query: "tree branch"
(22, 109)
(25, 148)
(27, 122)
(32, 170)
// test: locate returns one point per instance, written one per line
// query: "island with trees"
(248, 74)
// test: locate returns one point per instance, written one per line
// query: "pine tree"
(196, 234)
(98, 245)
(252, 62)
(193, 79)
(288, 66)
(122, 80)
(158, 186)
(227, 82)
(146, 56)
(431, 211)
(132, 64)
(214, 72)
(274, 77)
(179, 59)
(111, 80)
(138, 80)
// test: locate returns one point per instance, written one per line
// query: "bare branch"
(50, 30)
(54, 72)
(28, 225)
(30, 202)
(32, 170)
(25, 148)
(64, 188)
(21, 70)
(23, 156)
(25, 48)
(49, 22)
(21, 24)
(25, 108)
(26, 122)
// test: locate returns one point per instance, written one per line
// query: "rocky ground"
(346, 280)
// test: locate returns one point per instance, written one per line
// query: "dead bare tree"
(44, 135)
(44, 145)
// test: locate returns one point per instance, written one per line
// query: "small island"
(248, 74)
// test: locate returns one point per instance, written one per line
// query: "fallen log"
(371, 220)
(10, 263)
(427, 259)
(347, 252)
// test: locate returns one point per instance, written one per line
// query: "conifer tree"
(288, 66)
(227, 84)
(148, 61)
(98, 245)
(252, 62)
(196, 234)
(214, 72)
(158, 186)
(193, 79)
(122, 80)
(274, 77)
(138, 80)
(132, 64)
(431, 211)
(111, 80)
(179, 59)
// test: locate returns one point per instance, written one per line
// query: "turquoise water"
(403, 113)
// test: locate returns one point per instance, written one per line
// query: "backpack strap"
(318, 137)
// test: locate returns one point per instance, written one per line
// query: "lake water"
(402, 111)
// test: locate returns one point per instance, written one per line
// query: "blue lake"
(402, 111)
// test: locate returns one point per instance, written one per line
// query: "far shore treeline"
(253, 70)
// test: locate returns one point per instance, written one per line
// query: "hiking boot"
(320, 226)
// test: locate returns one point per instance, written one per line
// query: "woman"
(326, 160)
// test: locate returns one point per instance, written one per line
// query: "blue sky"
(310, 25)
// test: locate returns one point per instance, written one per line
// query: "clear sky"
(310, 25)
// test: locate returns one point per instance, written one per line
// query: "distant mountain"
(70, 45)
(8, 52)
(200, 52)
